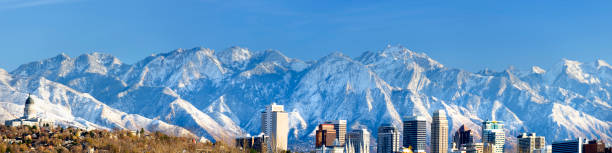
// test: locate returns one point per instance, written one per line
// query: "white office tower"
(493, 136)
(360, 140)
(275, 124)
(340, 127)
(439, 132)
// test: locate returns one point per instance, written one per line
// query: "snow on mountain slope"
(176, 69)
(223, 112)
(234, 57)
(9, 111)
(572, 122)
(66, 106)
(336, 87)
(220, 95)
(62, 65)
(94, 73)
(185, 114)
(164, 104)
(397, 62)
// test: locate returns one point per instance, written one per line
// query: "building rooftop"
(570, 140)
(464, 128)
(439, 113)
(29, 100)
(415, 118)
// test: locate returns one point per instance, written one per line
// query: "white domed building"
(29, 116)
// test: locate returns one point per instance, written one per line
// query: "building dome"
(28, 111)
(29, 101)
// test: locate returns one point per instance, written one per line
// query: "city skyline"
(325, 76)
(493, 139)
(328, 139)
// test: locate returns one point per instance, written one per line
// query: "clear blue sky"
(463, 34)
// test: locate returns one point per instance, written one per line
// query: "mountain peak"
(272, 55)
(335, 56)
(601, 63)
(574, 69)
(3, 74)
(185, 52)
(399, 55)
(568, 62)
(537, 70)
(401, 51)
(234, 55)
(101, 58)
(59, 57)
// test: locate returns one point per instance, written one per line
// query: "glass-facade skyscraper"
(493, 136)
(415, 133)
(388, 139)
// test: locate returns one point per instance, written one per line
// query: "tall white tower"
(439, 132)
(275, 125)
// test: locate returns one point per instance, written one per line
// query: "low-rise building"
(527, 143)
(547, 149)
(257, 143)
(594, 146)
(335, 148)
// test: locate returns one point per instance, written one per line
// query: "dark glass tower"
(388, 139)
(415, 133)
(463, 136)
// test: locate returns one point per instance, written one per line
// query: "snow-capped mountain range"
(219, 95)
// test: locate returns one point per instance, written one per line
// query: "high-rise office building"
(540, 142)
(527, 143)
(360, 139)
(594, 146)
(463, 135)
(568, 146)
(493, 136)
(275, 125)
(388, 139)
(415, 133)
(340, 127)
(439, 132)
(325, 135)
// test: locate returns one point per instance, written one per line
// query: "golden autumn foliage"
(54, 140)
